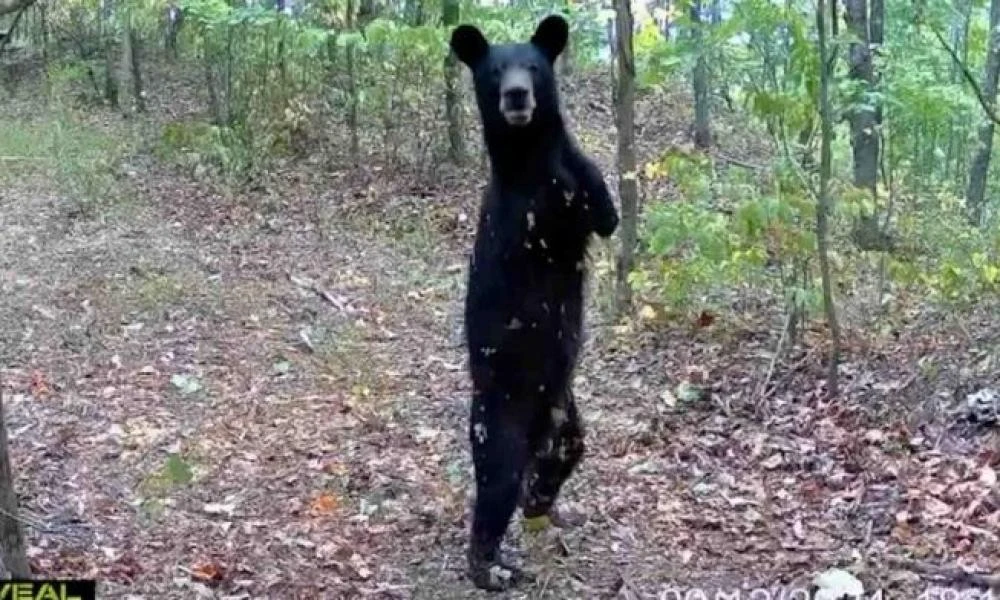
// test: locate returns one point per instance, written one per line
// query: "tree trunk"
(415, 12)
(566, 61)
(130, 67)
(612, 42)
(628, 188)
(107, 27)
(231, 114)
(823, 210)
(959, 41)
(666, 25)
(954, 78)
(352, 90)
(214, 104)
(699, 80)
(15, 556)
(865, 117)
(864, 139)
(135, 48)
(452, 98)
(976, 192)
(44, 23)
(175, 18)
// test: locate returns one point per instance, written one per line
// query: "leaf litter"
(321, 450)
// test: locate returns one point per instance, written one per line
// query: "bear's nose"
(517, 97)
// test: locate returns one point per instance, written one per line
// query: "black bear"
(524, 302)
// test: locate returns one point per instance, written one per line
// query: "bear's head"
(515, 83)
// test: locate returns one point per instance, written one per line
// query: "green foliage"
(696, 250)
(175, 472)
(719, 232)
(949, 261)
(200, 147)
(80, 160)
(272, 75)
(280, 88)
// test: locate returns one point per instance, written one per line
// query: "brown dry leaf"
(647, 313)
(697, 374)
(208, 572)
(936, 507)
(874, 436)
(38, 386)
(336, 468)
(988, 476)
(324, 504)
(798, 529)
(360, 567)
(773, 462)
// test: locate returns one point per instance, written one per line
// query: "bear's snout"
(517, 97)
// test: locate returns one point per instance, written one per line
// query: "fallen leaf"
(837, 584)
(360, 567)
(687, 392)
(177, 470)
(798, 529)
(217, 508)
(936, 507)
(773, 462)
(323, 504)
(987, 476)
(874, 436)
(38, 386)
(697, 374)
(282, 367)
(186, 384)
(208, 572)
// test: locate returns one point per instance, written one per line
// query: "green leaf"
(282, 367)
(177, 471)
(186, 384)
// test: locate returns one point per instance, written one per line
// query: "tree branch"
(969, 77)
(9, 6)
(953, 575)
(9, 34)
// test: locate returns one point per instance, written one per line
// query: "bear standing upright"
(524, 303)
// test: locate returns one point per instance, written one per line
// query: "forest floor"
(263, 394)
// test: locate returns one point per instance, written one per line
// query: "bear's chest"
(549, 228)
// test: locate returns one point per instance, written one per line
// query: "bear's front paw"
(565, 183)
(604, 217)
(605, 225)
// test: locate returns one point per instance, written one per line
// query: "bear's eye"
(533, 68)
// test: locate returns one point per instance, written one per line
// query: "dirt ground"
(263, 394)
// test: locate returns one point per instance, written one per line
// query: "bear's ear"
(551, 36)
(469, 44)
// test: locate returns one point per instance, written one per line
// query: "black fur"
(524, 304)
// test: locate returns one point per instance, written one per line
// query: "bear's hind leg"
(500, 452)
(555, 460)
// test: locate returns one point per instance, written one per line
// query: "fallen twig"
(622, 589)
(24, 520)
(308, 284)
(738, 163)
(958, 575)
(762, 392)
